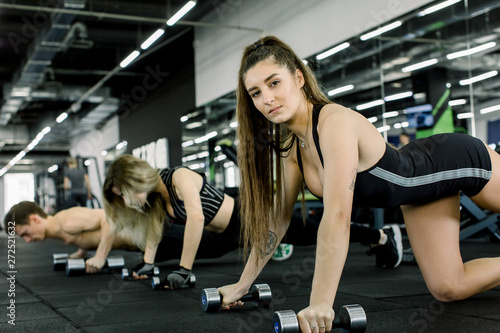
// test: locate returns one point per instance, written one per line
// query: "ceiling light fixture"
(62, 117)
(340, 90)
(369, 105)
(129, 59)
(478, 78)
(471, 51)
(398, 96)
(384, 128)
(419, 65)
(177, 16)
(490, 109)
(187, 143)
(53, 168)
(332, 51)
(456, 102)
(380, 31)
(390, 114)
(465, 115)
(437, 7)
(157, 34)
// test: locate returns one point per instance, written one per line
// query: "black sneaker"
(390, 254)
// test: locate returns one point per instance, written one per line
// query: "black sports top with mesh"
(211, 198)
(424, 170)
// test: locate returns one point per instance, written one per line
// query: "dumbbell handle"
(250, 297)
(351, 318)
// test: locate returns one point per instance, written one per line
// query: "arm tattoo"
(355, 173)
(271, 244)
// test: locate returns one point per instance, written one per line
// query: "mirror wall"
(430, 71)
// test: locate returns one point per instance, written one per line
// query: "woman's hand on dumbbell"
(142, 271)
(94, 264)
(231, 296)
(316, 318)
(179, 279)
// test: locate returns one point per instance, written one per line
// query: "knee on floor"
(446, 291)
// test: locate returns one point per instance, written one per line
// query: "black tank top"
(211, 198)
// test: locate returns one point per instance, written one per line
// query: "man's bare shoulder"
(80, 219)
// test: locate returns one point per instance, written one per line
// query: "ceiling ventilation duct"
(47, 44)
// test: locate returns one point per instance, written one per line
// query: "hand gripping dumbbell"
(126, 273)
(260, 294)
(351, 319)
(156, 283)
(77, 266)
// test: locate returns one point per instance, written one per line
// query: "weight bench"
(484, 219)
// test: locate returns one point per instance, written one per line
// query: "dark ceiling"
(52, 52)
(80, 46)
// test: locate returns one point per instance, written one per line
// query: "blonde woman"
(291, 135)
(138, 197)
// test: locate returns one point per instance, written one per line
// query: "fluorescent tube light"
(384, 128)
(369, 105)
(437, 7)
(477, 78)
(121, 145)
(129, 59)
(471, 51)
(490, 109)
(390, 114)
(332, 51)
(398, 96)
(177, 16)
(187, 143)
(62, 117)
(340, 90)
(53, 168)
(456, 102)
(465, 115)
(419, 65)
(152, 39)
(380, 31)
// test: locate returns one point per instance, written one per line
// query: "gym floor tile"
(395, 300)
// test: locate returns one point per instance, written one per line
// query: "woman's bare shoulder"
(338, 114)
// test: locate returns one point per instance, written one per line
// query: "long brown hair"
(132, 175)
(263, 143)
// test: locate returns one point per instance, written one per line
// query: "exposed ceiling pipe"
(102, 15)
(45, 47)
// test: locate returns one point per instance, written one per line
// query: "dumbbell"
(77, 266)
(156, 283)
(259, 294)
(59, 260)
(126, 273)
(351, 319)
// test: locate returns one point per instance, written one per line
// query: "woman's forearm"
(192, 238)
(150, 252)
(331, 253)
(106, 241)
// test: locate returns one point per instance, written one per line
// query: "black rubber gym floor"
(395, 300)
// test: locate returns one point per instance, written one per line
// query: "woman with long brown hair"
(290, 134)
